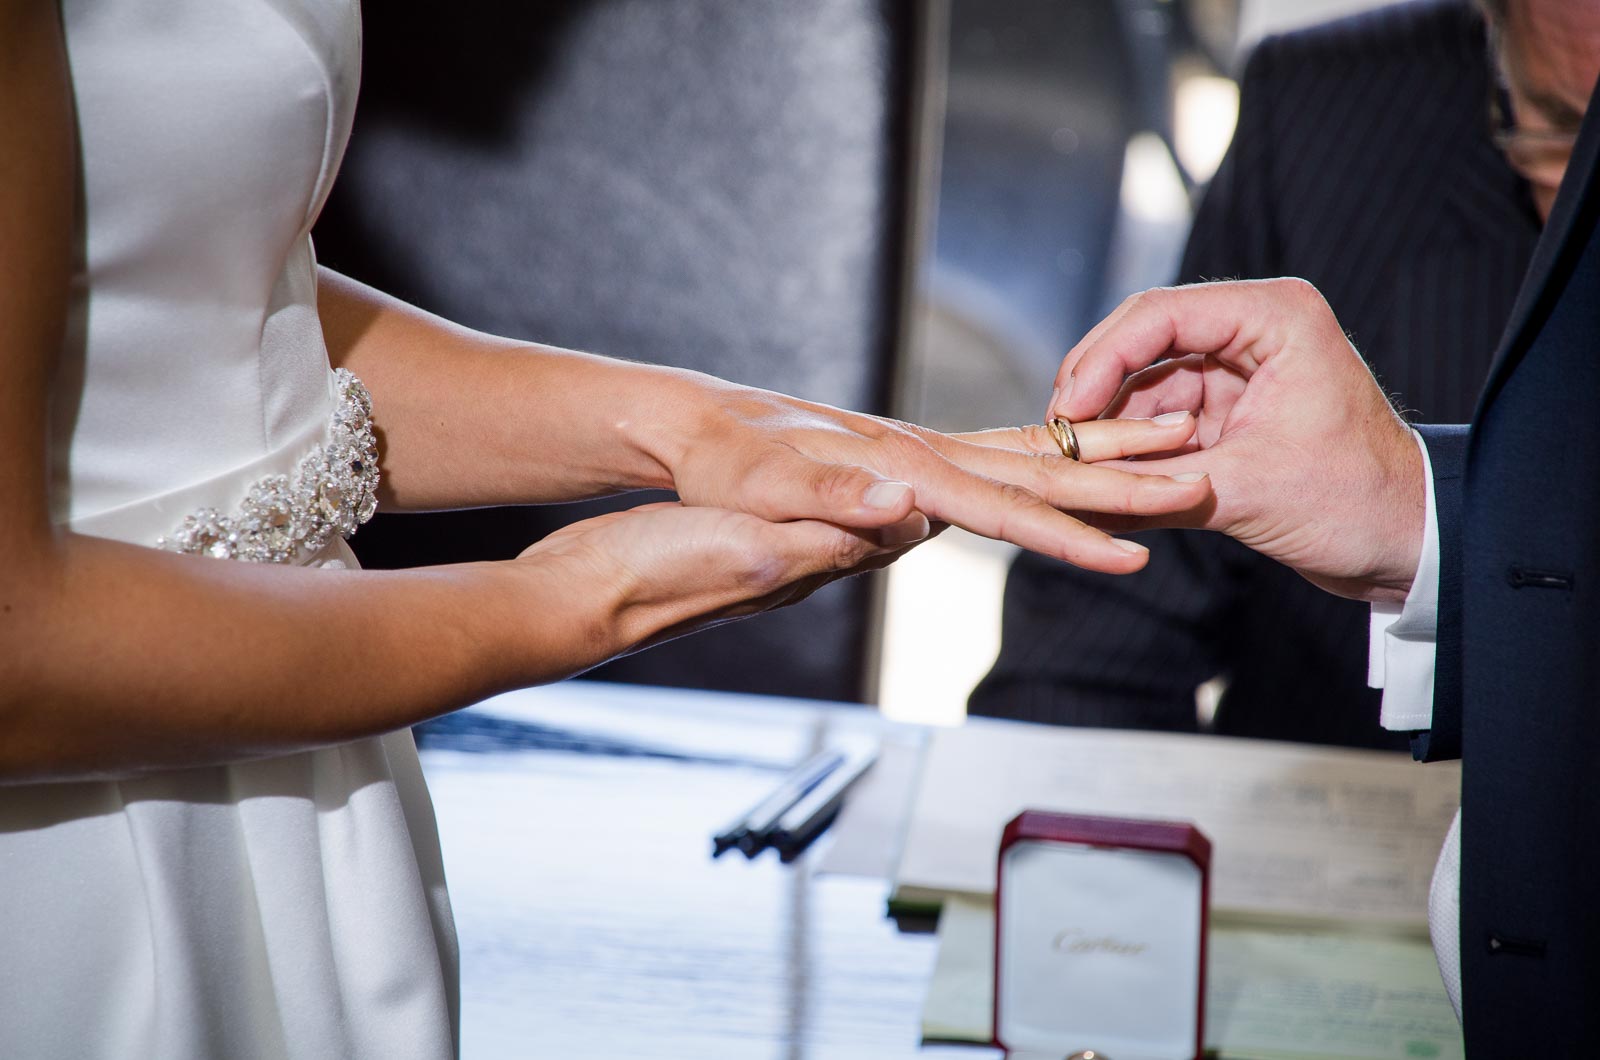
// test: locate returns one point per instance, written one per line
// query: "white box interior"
(1099, 949)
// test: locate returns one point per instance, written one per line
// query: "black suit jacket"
(1517, 680)
(1363, 163)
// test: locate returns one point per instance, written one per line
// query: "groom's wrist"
(1402, 525)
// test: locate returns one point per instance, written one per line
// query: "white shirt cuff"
(1400, 655)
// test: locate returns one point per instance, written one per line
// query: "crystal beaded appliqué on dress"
(333, 490)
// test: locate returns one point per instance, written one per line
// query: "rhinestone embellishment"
(333, 491)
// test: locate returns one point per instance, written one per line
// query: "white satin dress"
(292, 907)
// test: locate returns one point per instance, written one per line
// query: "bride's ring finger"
(1097, 439)
(1065, 437)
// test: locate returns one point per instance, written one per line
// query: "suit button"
(1505, 946)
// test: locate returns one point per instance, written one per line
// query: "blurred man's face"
(1550, 53)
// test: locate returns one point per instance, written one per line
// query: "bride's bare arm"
(469, 419)
(117, 659)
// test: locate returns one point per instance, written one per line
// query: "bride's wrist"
(565, 611)
(670, 414)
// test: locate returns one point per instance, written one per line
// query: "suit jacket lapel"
(1572, 216)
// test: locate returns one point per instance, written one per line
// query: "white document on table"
(1296, 831)
(865, 840)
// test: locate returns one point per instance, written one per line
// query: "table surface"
(577, 821)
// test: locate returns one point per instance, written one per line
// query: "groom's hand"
(1310, 464)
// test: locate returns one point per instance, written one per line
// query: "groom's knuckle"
(1147, 490)
(1134, 300)
(1157, 298)
(1131, 496)
(1302, 293)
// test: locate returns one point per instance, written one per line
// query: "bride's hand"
(782, 459)
(659, 571)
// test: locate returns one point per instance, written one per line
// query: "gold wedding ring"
(1066, 438)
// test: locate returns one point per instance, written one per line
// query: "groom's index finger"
(1065, 375)
(1138, 334)
(1224, 320)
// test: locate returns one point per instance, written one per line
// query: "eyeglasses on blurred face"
(1539, 154)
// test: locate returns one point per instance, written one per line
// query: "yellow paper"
(1271, 993)
(1291, 994)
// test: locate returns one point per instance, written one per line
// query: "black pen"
(761, 817)
(811, 815)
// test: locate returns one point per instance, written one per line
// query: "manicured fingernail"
(1189, 476)
(906, 533)
(885, 495)
(1171, 419)
(1129, 546)
(1059, 404)
(1050, 409)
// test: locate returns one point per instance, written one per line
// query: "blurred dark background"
(720, 186)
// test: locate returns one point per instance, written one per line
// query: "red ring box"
(1100, 937)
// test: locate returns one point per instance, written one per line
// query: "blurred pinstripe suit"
(1362, 162)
